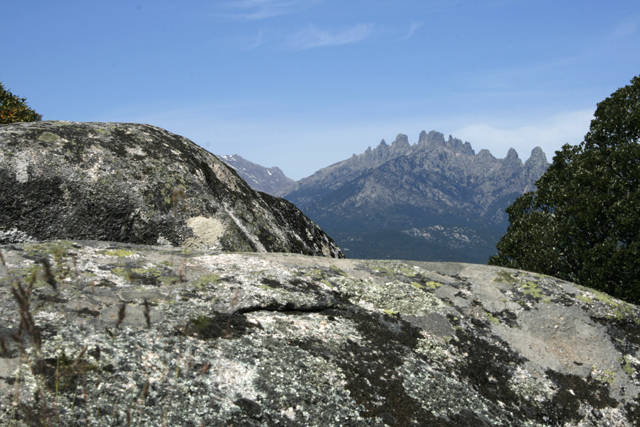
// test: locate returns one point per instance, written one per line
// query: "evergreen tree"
(583, 221)
(14, 109)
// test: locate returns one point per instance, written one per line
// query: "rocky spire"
(537, 164)
(431, 139)
(402, 141)
(512, 157)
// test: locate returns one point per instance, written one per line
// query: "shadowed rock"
(139, 184)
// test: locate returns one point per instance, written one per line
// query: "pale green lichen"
(328, 283)
(605, 376)
(605, 298)
(205, 280)
(433, 285)
(338, 270)
(167, 280)
(60, 247)
(122, 272)
(492, 318)
(49, 137)
(503, 276)
(584, 298)
(621, 309)
(117, 252)
(626, 365)
(147, 272)
(396, 296)
(532, 289)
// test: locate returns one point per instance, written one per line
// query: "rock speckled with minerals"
(138, 183)
(151, 335)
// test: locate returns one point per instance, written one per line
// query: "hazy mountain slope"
(435, 182)
(310, 189)
(268, 180)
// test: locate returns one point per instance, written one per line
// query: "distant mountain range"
(267, 180)
(436, 200)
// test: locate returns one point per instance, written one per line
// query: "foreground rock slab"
(150, 335)
(138, 183)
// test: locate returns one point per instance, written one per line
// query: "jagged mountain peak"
(402, 141)
(485, 154)
(435, 182)
(431, 138)
(537, 162)
(537, 155)
(268, 180)
(512, 157)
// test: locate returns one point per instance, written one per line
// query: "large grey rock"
(267, 339)
(124, 182)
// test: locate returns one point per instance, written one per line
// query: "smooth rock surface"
(270, 339)
(138, 183)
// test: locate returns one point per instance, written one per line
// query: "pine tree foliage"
(15, 109)
(583, 221)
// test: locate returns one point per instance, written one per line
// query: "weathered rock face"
(138, 184)
(280, 339)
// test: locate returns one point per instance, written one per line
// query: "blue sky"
(302, 84)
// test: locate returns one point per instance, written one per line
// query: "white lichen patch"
(312, 326)
(531, 388)
(442, 394)
(435, 349)
(135, 151)
(206, 233)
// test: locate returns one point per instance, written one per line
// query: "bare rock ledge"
(152, 335)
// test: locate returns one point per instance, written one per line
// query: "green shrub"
(583, 222)
(15, 109)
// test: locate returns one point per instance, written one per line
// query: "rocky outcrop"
(138, 184)
(268, 180)
(140, 335)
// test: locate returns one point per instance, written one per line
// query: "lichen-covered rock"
(140, 335)
(138, 184)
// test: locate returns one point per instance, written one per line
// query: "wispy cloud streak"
(412, 29)
(252, 10)
(626, 28)
(312, 36)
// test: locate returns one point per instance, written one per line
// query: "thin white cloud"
(626, 28)
(252, 10)
(550, 134)
(248, 43)
(313, 36)
(412, 29)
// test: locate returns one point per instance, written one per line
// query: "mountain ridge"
(260, 178)
(399, 186)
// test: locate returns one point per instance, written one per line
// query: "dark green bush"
(15, 109)
(583, 221)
